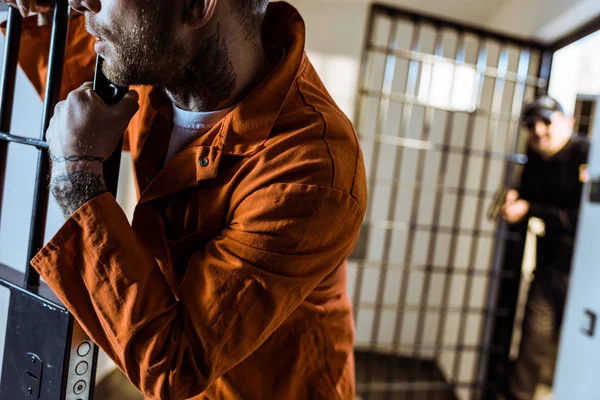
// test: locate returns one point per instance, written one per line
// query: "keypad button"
(84, 349)
(81, 368)
(79, 387)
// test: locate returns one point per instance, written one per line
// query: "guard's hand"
(511, 197)
(515, 211)
(27, 7)
(45, 18)
(84, 128)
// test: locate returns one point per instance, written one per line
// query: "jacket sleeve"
(80, 57)
(174, 342)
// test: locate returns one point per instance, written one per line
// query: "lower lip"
(99, 46)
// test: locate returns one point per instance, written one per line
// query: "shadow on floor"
(383, 369)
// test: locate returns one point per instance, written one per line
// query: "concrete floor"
(116, 386)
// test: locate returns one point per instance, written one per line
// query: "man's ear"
(199, 12)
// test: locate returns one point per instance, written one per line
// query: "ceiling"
(544, 20)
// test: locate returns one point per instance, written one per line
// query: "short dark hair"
(252, 12)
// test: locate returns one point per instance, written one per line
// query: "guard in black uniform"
(550, 189)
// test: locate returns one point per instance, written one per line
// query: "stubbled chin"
(112, 75)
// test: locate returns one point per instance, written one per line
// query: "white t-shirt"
(189, 125)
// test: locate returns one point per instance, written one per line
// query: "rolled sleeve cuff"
(65, 246)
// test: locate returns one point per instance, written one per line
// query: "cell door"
(438, 119)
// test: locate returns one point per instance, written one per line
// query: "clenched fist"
(515, 209)
(83, 126)
(83, 133)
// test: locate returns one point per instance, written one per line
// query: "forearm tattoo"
(72, 189)
(76, 158)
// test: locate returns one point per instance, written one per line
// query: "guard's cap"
(543, 107)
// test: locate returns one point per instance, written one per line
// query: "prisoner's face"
(137, 39)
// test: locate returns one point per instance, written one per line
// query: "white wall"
(545, 20)
(335, 36)
(575, 71)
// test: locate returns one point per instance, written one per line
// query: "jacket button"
(203, 162)
(149, 178)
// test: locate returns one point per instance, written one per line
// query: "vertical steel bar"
(375, 327)
(508, 181)
(512, 146)
(545, 72)
(7, 89)
(384, 104)
(364, 66)
(382, 112)
(482, 56)
(488, 366)
(490, 134)
(459, 56)
(58, 44)
(428, 116)
(388, 234)
(407, 110)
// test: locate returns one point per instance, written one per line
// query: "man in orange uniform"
(231, 281)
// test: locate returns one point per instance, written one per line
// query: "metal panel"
(437, 114)
(33, 313)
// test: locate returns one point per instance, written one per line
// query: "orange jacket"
(231, 281)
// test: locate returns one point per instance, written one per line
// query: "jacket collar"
(251, 122)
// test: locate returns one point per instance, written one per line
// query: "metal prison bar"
(47, 355)
(414, 147)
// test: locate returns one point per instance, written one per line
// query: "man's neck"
(225, 69)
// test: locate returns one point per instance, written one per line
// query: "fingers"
(86, 86)
(512, 196)
(133, 94)
(44, 18)
(128, 106)
(43, 6)
(26, 7)
(130, 103)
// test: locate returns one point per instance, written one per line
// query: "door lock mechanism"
(33, 376)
